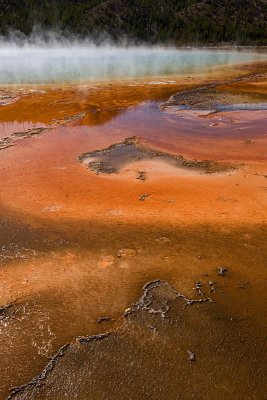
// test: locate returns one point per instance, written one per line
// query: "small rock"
(191, 356)
(221, 271)
(142, 176)
(212, 287)
(127, 312)
(143, 197)
(152, 328)
(197, 287)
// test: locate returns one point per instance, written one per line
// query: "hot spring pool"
(60, 63)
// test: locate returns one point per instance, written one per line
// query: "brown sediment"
(153, 343)
(37, 381)
(71, 276)
(75, 247)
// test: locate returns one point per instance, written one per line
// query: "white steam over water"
(58, 63)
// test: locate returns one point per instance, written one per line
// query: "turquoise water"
(79, 63)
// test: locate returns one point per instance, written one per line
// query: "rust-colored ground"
(76, 246)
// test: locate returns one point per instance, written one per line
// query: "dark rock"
(143, 197)
(103, 319)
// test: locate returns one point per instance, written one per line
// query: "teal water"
(78, 63)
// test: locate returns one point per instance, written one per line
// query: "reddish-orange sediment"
(43, 179)
(64, 267)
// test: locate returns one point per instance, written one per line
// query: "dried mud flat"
(176, 200)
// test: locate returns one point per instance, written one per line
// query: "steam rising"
(60, 61)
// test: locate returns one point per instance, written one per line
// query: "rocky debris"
(191, 302)
(221, 271)
(111, 159)
(249, 141)
(142, 176)
(212, 287)
(143, 197)
(198, 286)
(94, 338)
(191, 356)
(126, 253)
(40, 378)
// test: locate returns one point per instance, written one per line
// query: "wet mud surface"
(77, 246)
